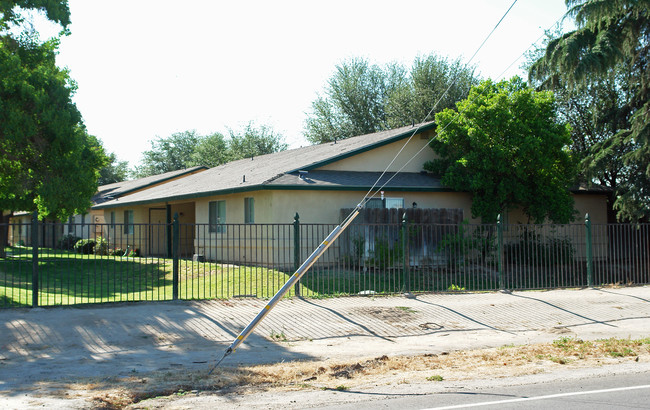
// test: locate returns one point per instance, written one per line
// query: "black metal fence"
(97, 263)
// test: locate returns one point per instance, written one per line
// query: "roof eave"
(117, 204)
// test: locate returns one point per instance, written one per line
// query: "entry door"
(158, 231)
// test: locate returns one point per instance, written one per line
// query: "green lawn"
(67, 278)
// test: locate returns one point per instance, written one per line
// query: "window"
(249, 210)
(128, 222)
(217, 216)
(385, 203)
(394, 202)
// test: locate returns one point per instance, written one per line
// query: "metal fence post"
(296, 250)
(589, 250)
(175, 252)
(34, 259)
(405, 264)
(168, 230)
(502, 281)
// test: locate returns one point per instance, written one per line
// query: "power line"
(341, 227)
(365, 198)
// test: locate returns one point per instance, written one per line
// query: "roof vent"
(301, 174)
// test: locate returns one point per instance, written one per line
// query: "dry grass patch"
(505, 361)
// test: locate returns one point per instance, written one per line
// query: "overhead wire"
(451, 84)
(341, 227)
(367, 197)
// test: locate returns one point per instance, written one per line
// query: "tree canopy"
(42, 137)
(49, 163)
(56, 11)
(601, 74)
(168, 154)
(362, 98)
(505, 145)
(253, 141)
(188, 148)
(114, 171)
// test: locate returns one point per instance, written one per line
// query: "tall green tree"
(42, 137)
(11, 11)
(114, 171)
(362, 98)
(253, 141)
(435, 83)
(608, 55)
(505, 145)
(188, 148)
(353, 103)
(211, 150)
(168, 154)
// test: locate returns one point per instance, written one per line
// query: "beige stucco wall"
(280, 207)
(144, 233)
(20, 230)
(594, 204)
(378, 158)
(319, 206)
(274, 243)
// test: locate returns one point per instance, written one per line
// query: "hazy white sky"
(148, 68)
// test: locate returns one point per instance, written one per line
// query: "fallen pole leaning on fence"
(290, 283)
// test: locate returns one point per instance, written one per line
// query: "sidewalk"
(107, 340)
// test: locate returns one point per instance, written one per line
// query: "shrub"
(385, 254)
(67, 242)
(85, 246)
(462, 245)
(116, 252)
(101, 246)
(535, 249)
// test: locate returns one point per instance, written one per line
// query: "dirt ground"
(311, 352)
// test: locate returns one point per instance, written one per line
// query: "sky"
(149, 68)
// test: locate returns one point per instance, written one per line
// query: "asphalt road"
(41, 346)
(618, 391)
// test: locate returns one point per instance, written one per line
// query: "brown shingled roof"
(254, 173)
(110, 191)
